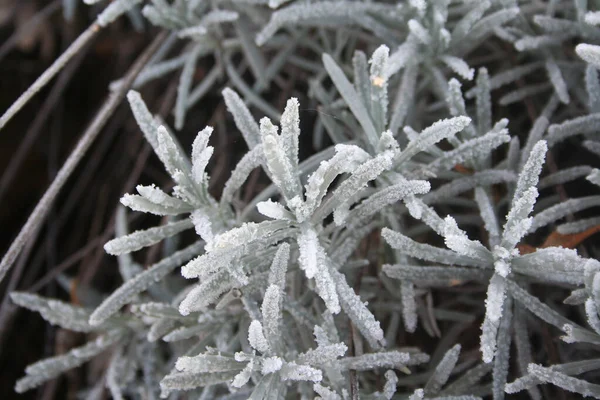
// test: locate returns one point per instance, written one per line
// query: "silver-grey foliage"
(425, 213)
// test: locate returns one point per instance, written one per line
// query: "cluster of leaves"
(401, 153)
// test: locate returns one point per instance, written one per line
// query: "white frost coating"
(419, 31)
(308, 245)
(203, 225)
(114, 10)
(256, 337)
(283, 171)
(201, 154)
(386, 359)
(323, 354)
(290, 130)
(358, 312)
(326, 287)
(457, 240)
(517, 221)
(271, 364)
(326, 393)
(493, 313)
(244, 376)
(594, 177)
(564, 381)
(157, 196)
(273, 210)
(271, 312)
(459, 66)
(530, 174)
(294, 372)
(140, 239)
(589, 53)
(242, 117)
(391, 381)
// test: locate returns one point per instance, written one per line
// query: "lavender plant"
(442, 137)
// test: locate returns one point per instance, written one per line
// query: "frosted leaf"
(494, 304)
(144, 118)
(203, 225)
(244, 376)
(346, 159)
(248, 232)
(256, 337)
(251, 160)
(589, 53)
(379, 94)
(425, 252)
(206, 363)
(387, 196)
(207, 292)
(351, 97)
(271, 365)
(419, 32)
(242, 117)
(563, 176)
(283, 173)
(50, 368)
(434, 274)
(594, 177)
(201, 154)
(564, 381)
(144, 238)
(326, 393)
(157, 196)
(580, 125)
(290, 130)
(389, 388)
(469, 150)
(593, 314)
(592, 86)
(188, 381)
(54, 311)
(457, 240)
(557, 80)
(461, 185)
(308, 245)
(185, 83)
(561, 210)
(273, 210)
(517, 221)
(574, 334)
(308, 14)
(366, 362)
(357, 311)
(323, 354)
(279, 266)
(141, 282)
(591, 145)
(409, 305)
(294, 372)
(501, 360)
(459, 66)
(442, 371)
(418, 394)
(437, 132)
(114, 10)
(464, 25)
(349, 188)
(488, 215)
(535, 306)
(271, 313)
(235, 244)
(325, 286)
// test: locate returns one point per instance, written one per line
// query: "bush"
(428, 200)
